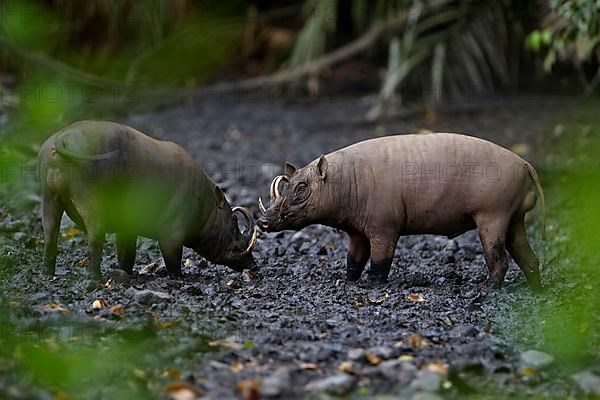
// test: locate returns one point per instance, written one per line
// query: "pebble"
(337, 384)
(147, 296)
(276, 384)
(588, 382)
(427, 381)
(426, 396)
(356, 354)
(536, 359)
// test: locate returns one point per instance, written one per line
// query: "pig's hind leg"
(359, 251)
(492, 232)
(52, 212)
(382, 254)
(519, 249)
(126, 248)
(172, 255)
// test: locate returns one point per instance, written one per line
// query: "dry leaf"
(346, 366)
(417, 341)
(415, 297)
(147, 269)
(83, 263)
(237, 367)
(406, 358)
(377, 301)
(249, 389)
(71, 232)
(99, 303)
(233, 284)
(53, 307)
(119, 309)
(438, 367)
(372, 358)
(226, 345)
(309, 366)
(188, 263)
(180, 391)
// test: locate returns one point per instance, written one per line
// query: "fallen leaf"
(236, 367)
(346, 366)
(147, 269)
(247, 276)
(377, 301)
(372, 358)
(108, 284)
(233, 284)
(226, 345)
(415, 297)
(180, 391)
(188, 263)
(119, 309)
(417, 341)
(406, 358)
(71, 232)
(99, 303)
(53, 307)
(309, 366)
(83, 263)
(248, 388)
(438, 367)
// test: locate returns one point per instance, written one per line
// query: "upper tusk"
(252, 240)
(277, 182)
(252, 225)
(261, 206)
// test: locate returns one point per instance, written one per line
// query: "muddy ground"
(434, 330)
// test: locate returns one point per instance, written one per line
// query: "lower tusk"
(261, 206)
(252, 242)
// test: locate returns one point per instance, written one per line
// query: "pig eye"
(301, 193)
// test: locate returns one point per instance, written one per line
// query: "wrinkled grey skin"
(444, 184)
(109, 178)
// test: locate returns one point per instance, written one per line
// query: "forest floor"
(434, 330)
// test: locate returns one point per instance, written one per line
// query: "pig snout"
(263, 224)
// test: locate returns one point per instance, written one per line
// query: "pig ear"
(221, 201)
(322, 167)
(289, 169)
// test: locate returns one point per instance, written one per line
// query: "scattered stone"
(536, 359)
(147, 296)
(337, 384)
(356, 354)
(426, 396)
(383, 352)
(427, 381)
(451, 246)
(276, 384)
(588, 382)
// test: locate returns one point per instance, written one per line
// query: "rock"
(463, 331)
(536, 359)
(427, 381)
(337, 384)
(119, 276)
(383, 352)
(451, 246)
(356, 354)
(147, 296)
(276, 384)
(426, 396)
(588, 382)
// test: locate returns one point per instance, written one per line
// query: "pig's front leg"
(126, 247)
(359, 251)
(95, 244)
(171, 251)
(382, 253)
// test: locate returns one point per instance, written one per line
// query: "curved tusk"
(277, 182)
(261, 206)
(251, 225)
